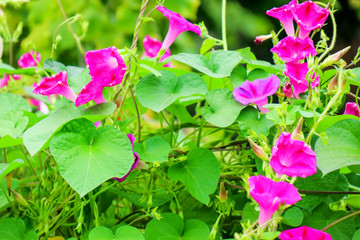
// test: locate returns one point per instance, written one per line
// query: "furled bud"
(261, 38)
(288, 90)
(259, 152)
(20, 199)
(223, 195)
(334, 58)
(297, 133)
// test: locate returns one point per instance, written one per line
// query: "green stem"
(29, 162)
(138, 24)
(94, 208)
(340, 220)
(7, 197)
(223, 17)
(334, 33)
(137, 114)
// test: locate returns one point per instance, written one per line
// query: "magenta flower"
(352, 108)
(304, 233)
(29, 59)
(152, 47)
(106, 66)
(294, 49)
(297, 73)
(285, 16)
(270, 194)
(294, 158)
(41, 106)
(90, 92)
(136, 159)
(257, 91)
(177, 25)
(56, 84)
(288, 90)
(309, 16)
(4, 81)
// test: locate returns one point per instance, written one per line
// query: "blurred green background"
(111, 23)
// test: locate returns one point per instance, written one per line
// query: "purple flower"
(136, 159)
(294, 158)
(270, 194)
(285, 16)
(152, 47)
(257, 91)
(352, 108)
(29, 59)
(90, 92)
(304, 233)
(309, 16)
(177, 25)
(294, 49)
(56, 84)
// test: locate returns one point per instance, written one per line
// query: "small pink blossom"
(285, 16)
(294, 49)
(294, 158)
(56, 84)
(152, 47)
(270, 194)
(41, 106)
(4, 81)
(352, 108)
(90, 92)
(29, 59)
(288, 90)
(136, 159)
(309, 16)
(177, 25)
(106, 67)
(304, 233)
(297, 73)
(261, 38)
(257, 91)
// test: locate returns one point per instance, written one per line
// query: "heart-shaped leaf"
(200, 173)
(153, 149)
(5, 168)
(13, 124)
(223, 109)
(249, 119)
(157, 93)
(88, 157)
(10, 102)
(14, 229)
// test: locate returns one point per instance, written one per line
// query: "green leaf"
(88, 157)
(269, 235)
(36, 137)
(157, 93)
(77, 77)
(5, 168)
(293, 217)
(200, 173)
(356, 235)
(8, 141)
(220, 65)
(223, 109)
(172, 227)
(10, 102)
(343, 148)
(249, 119)
(257, 73)
(56, 67)
(331, 120)
(289, 117)
(181, 113)
(101, 233)
(14, 229)
(207, 45)
(154, 149)
(355, 79)
(7, 69)
(13, 124)
(128, 233)
(238, 76)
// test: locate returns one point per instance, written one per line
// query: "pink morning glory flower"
(304, 233)
(270, 194)
(41, 106)
(177, 25)
(288, 90)
(29, 59)
(90, 92)
(285, 16)
(257, 91)
(106, 67)
(297, 73)
(309, 16)
(136, 159)
(152, 47)
(56, 84)
(4, 81)
(352, 108)
(294, 49)
(291, 157)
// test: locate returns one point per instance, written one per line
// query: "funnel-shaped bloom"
(352, 108)
(294, 49)
(309, 16)
(297, 73)
(304, 233)
(294, 158)
(177, 25)
(152, 47)
(285, 16)
(56, 84)
(257, 91)
(106, 67)
(90, 92)
(270, 194)
(136, 159)
(29, 59)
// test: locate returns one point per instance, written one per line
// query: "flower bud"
(288, 90)
(259, 151)
(8, 178)
(261, 38)
(297, 134)
(20, 199)
(334, 58)
(223, 195)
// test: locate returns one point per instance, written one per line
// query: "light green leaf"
(328, 121)
(5, 168)
(56, 67)
(157, 93)
(77, 77)
(128, 233)
(8, 141)
(270, 235)
(10, 102)
(88, 157)
(343, 148)
(154, 149)
(200, 173)
(249, 119)
(207, 45)
(13, 124)
(101, 233)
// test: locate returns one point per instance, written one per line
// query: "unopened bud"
(259, 151)
(20, 199)
(8, 178)
(288, 90)
(334, 58)
(261, 38)
(297, 133)
(223, 195)
(334, 84)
